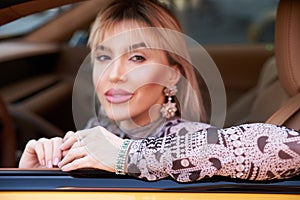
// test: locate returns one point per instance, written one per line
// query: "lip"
(118, 96)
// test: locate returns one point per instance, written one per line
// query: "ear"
(175, 75)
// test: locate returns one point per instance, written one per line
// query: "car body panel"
(140, 196)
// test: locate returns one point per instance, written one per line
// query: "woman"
(147, 87)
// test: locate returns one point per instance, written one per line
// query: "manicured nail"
(49, 164)
(63, 168)
(43, 162)
(55, 162)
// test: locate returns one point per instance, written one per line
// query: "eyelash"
(103, 58)
(134, 58)
(140, 58)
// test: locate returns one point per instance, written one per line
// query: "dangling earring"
(168, 109)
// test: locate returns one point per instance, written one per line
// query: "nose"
(116, 71)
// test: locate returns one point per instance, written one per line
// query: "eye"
(137, 58)
(103, 58)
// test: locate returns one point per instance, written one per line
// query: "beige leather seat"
(258, 104)
(287, 51)
(280, 78)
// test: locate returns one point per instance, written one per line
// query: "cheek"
(146, 97)
(151, 91)
(149, 74)
(99, 80)
(98, 75)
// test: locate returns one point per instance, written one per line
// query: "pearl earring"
(168, 109)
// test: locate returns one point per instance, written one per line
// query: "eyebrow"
(102, 48)
(136, 46)
(130, 48)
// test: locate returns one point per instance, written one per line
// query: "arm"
(250, 151)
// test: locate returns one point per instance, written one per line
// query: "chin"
(117, 116)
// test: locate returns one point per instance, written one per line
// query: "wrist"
(120, 165)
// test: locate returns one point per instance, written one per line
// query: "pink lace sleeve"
(251, 151)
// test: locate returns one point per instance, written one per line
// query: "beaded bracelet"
(121, 158)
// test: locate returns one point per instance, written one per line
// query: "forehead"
(126, 34)
(117, 28)
(120, 36)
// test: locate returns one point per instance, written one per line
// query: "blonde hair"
(150, 13)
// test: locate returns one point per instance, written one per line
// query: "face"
(129, 77)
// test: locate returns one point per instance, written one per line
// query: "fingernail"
(49, 164)
(43, 162)
(55, 162)
(62, 146)
(63, 168)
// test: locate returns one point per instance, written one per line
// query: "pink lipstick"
(118, 96)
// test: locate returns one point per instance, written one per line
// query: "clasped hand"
(89, 148)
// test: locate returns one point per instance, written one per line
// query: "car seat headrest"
(287, 45)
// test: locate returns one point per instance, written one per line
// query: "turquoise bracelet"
(120, 162)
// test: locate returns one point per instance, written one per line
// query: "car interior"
(38, 71)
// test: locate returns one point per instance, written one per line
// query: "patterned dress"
(190, 151)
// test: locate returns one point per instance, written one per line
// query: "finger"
(48, 151)
(57, 153)
(39, 149)
(84, 162)
(68, 134)
(74, 153)
(68, 141)
(29, 157)
(30, 146)
(65, 152)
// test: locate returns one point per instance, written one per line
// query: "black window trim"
(97, 180)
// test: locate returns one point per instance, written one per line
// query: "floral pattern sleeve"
(251, 151)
